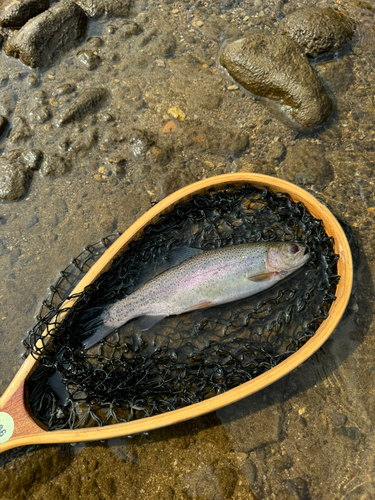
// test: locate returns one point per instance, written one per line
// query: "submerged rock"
(54, 165)
(275, 68)
(46, 36)
(17, 13)
(109, 8)
(317, 30)
(12, 180)
(20, 131)
(87, 101)
(306, 165)
(89, 59)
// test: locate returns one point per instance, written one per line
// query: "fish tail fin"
(97, 327)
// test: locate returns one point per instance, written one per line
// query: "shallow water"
(310, 435)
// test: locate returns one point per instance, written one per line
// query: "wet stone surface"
(317, 30)
(48, 35)
(274, 67)
(310, 435)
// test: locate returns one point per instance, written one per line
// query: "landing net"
(188, 358)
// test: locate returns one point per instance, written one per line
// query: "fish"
(204, 279)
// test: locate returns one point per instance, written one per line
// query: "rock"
(32, 80)
(4, 77)
(3, 124)
(139, 143)
(54, 165)
(275, 68)
(255, 424)
(202, 482)
(16, 13)
(40, 97)
(306, 165)
(89, 59)
(129, 29)
(175, 178)
(85, 103)
(317, 30)
(42, 39)
(85, 141)
(65, 88)
(95, 42)
(12, 180)
(32, 159)
(209, 101)
(223, 140)
(165, 45)
(39, 114)
(20, 130)
(338, 74)
(108, 8)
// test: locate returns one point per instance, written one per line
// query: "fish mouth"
(300, 256)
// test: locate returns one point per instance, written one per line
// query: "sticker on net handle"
(6, 427)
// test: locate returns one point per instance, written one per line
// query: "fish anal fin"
(262, 277)
(147, 322)
(201, 305)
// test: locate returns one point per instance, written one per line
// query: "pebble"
(89, 59)
(95, 41)
(176, 113)
(54, 165)
(39, 114)
(65, 88)
(169, 127)
(274, 67)
(32, 80)
(129, 29)
(32, 159)
(20, 130)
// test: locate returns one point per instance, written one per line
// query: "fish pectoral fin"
(262, 277)
(201, 305)
(147, 322)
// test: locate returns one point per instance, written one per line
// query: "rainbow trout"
(207, 279)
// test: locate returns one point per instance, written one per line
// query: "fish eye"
(294, 249)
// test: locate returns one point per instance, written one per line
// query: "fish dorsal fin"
(261, 277)
(147, 322)
(179, 254)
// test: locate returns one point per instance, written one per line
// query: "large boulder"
(317, 30)
(275, 68)
(47, 35)
(15, 13)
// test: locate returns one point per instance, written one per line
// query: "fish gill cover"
(188, 358)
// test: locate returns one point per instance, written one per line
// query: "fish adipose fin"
(147, 322)
(262, 277)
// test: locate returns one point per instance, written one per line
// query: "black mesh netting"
(183, 359)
